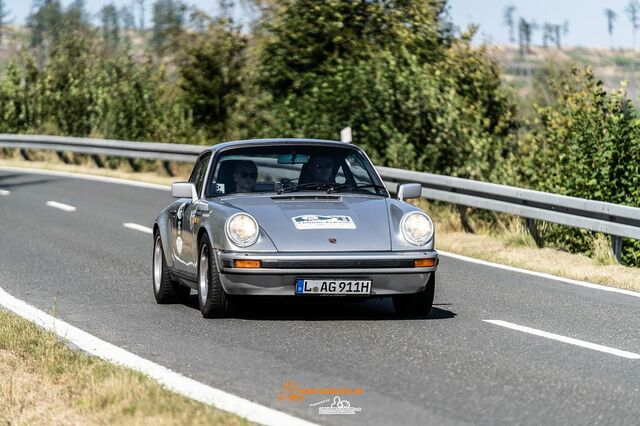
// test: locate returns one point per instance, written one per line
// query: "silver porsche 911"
(292, 217)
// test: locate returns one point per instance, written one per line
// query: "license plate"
(332, 286)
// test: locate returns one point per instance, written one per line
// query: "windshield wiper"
(315, 185)
(355, 187)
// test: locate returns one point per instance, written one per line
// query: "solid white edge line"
(137, 227)
(170, 379)
(4, 192)
(61, 206)
(87, 177)
(540, 274)
(569, 340)
(444, 253)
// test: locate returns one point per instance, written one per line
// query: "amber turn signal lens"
(424, 263)
(247, 263)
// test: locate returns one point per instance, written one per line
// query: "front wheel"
(211, 296)
(164, 288)
(418, 304)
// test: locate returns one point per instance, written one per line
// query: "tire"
(212, 299)
(418, 304)
(164, 288)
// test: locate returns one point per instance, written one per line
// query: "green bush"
(587, 145)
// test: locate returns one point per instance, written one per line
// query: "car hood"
(321, 222)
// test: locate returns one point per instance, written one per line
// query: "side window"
(358, 170)
(199, 170)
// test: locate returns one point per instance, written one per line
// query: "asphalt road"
(451, 367)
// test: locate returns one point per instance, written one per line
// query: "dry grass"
(509, 243)
(42, 382)
(568, 265)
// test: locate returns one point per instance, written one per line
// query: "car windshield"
(293, 168)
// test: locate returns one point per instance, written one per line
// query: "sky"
(587, 23)
(20, 8)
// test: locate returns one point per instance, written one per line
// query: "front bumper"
(390, 272)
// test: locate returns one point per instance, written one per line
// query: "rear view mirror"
(293, 158)
(184, 190)
(409, 190)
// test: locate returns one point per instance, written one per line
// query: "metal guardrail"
(109, 147)
(608, 218)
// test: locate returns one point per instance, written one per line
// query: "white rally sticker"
(323, 222)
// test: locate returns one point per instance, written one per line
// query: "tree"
(4, 14)
(75, 16)
(509, 22)
(211, 71)
(611, 18)
(547, 34)
(226, 7)
(46, 22)
(559, 31)
(110, 25)
(415, 95)
(311, 38)
(525, 33)
(633, 12)
(140, 4)
(127, 17)
(168, 23)
(68, 83)
(586, 144)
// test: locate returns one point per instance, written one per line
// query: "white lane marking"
(87, 177)
(61, 206)
(137, 227)
(541, 274)
(4, 192)
(168, 378)
(569, 340)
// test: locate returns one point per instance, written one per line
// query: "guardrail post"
(134, 164)
(25, 154)
(168, 168)
(464, 219)
(96, 159)
(65, 159)
(533, 230)
(616, 246)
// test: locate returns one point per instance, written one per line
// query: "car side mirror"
(184, 190)
(409, 190)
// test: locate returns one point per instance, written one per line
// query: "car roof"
(280, 141)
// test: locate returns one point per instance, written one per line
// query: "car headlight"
(417, 228)
(242, 229)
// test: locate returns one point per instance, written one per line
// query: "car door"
(185, 260)
(188, 223)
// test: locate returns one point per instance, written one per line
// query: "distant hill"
(612, 66)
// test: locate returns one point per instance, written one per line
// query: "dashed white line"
(4, 192)
(61, 206)
(569, 340)
(137, 227)
(174, 381)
